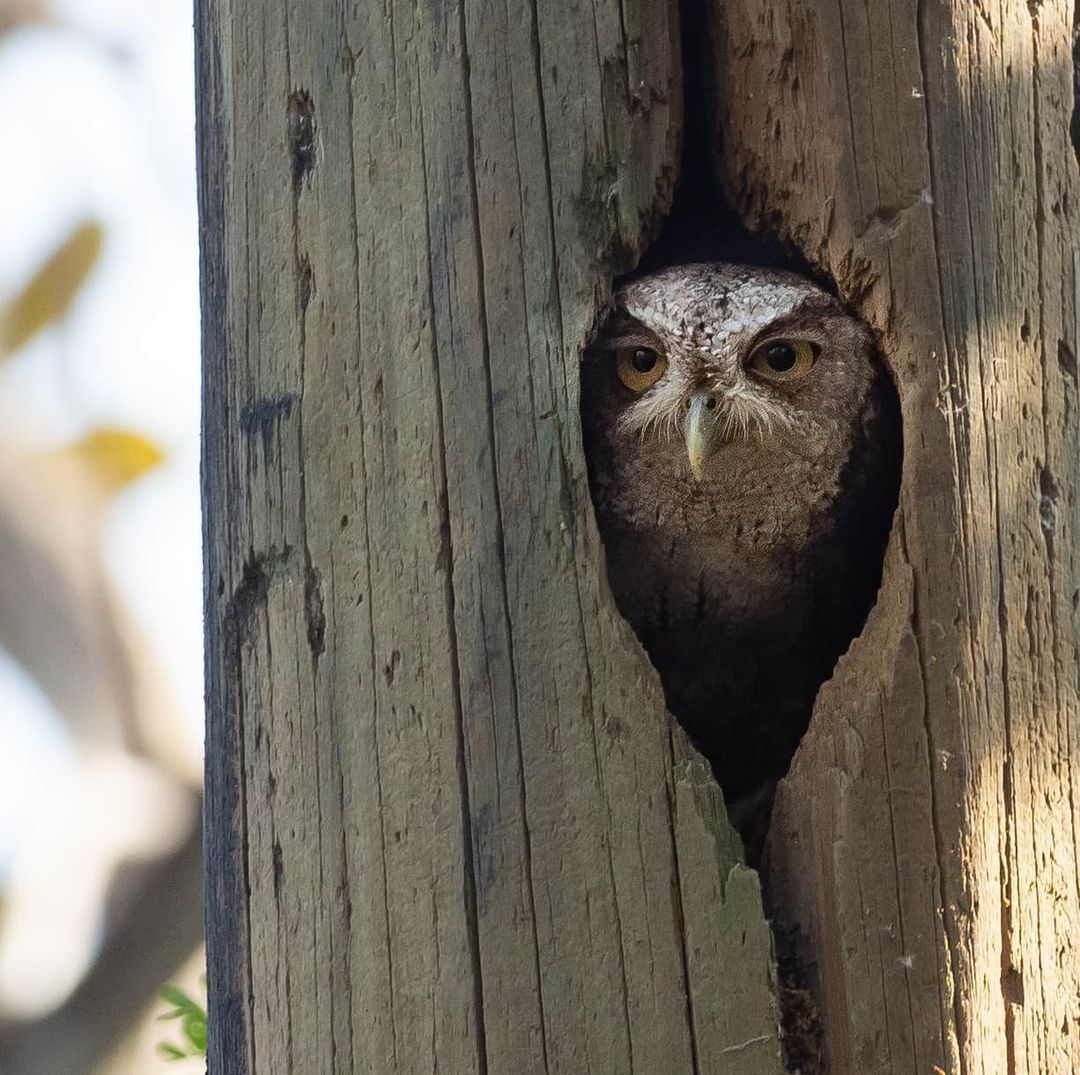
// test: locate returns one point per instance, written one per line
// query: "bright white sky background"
(99, 122)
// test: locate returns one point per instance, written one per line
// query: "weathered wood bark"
(448, 825)
(924, 849)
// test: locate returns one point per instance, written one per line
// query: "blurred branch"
(60, 619)
(58, 615)
(19, 12)
(157, 931)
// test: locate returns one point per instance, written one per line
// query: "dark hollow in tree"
(743, 444)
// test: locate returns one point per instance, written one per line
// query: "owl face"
(709, 386)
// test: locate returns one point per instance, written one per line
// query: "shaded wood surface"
(924, 851)
(448, 826)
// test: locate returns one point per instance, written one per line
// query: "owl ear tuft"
(610, 315)
(612, 320)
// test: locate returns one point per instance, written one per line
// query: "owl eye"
(639, 367)
(782, 360)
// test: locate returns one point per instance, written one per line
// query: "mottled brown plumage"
(746, 585)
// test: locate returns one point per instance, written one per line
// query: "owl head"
(711, 388)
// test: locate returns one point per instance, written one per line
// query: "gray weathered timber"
(449, 827)
(925, 844)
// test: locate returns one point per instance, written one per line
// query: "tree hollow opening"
(743, 441)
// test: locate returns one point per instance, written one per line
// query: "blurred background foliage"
(100, 593)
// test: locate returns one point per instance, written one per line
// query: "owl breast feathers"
(743, 445)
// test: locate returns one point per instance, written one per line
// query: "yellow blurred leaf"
(117, 456)
(53, 287)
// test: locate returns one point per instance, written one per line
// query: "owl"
(743, 448)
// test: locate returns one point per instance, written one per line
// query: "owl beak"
(699, 429)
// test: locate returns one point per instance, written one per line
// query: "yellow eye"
(639, 367)
(782, 360)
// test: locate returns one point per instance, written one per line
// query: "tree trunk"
(924, 849)
(449, 825)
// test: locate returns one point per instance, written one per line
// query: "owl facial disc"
(699, 429)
